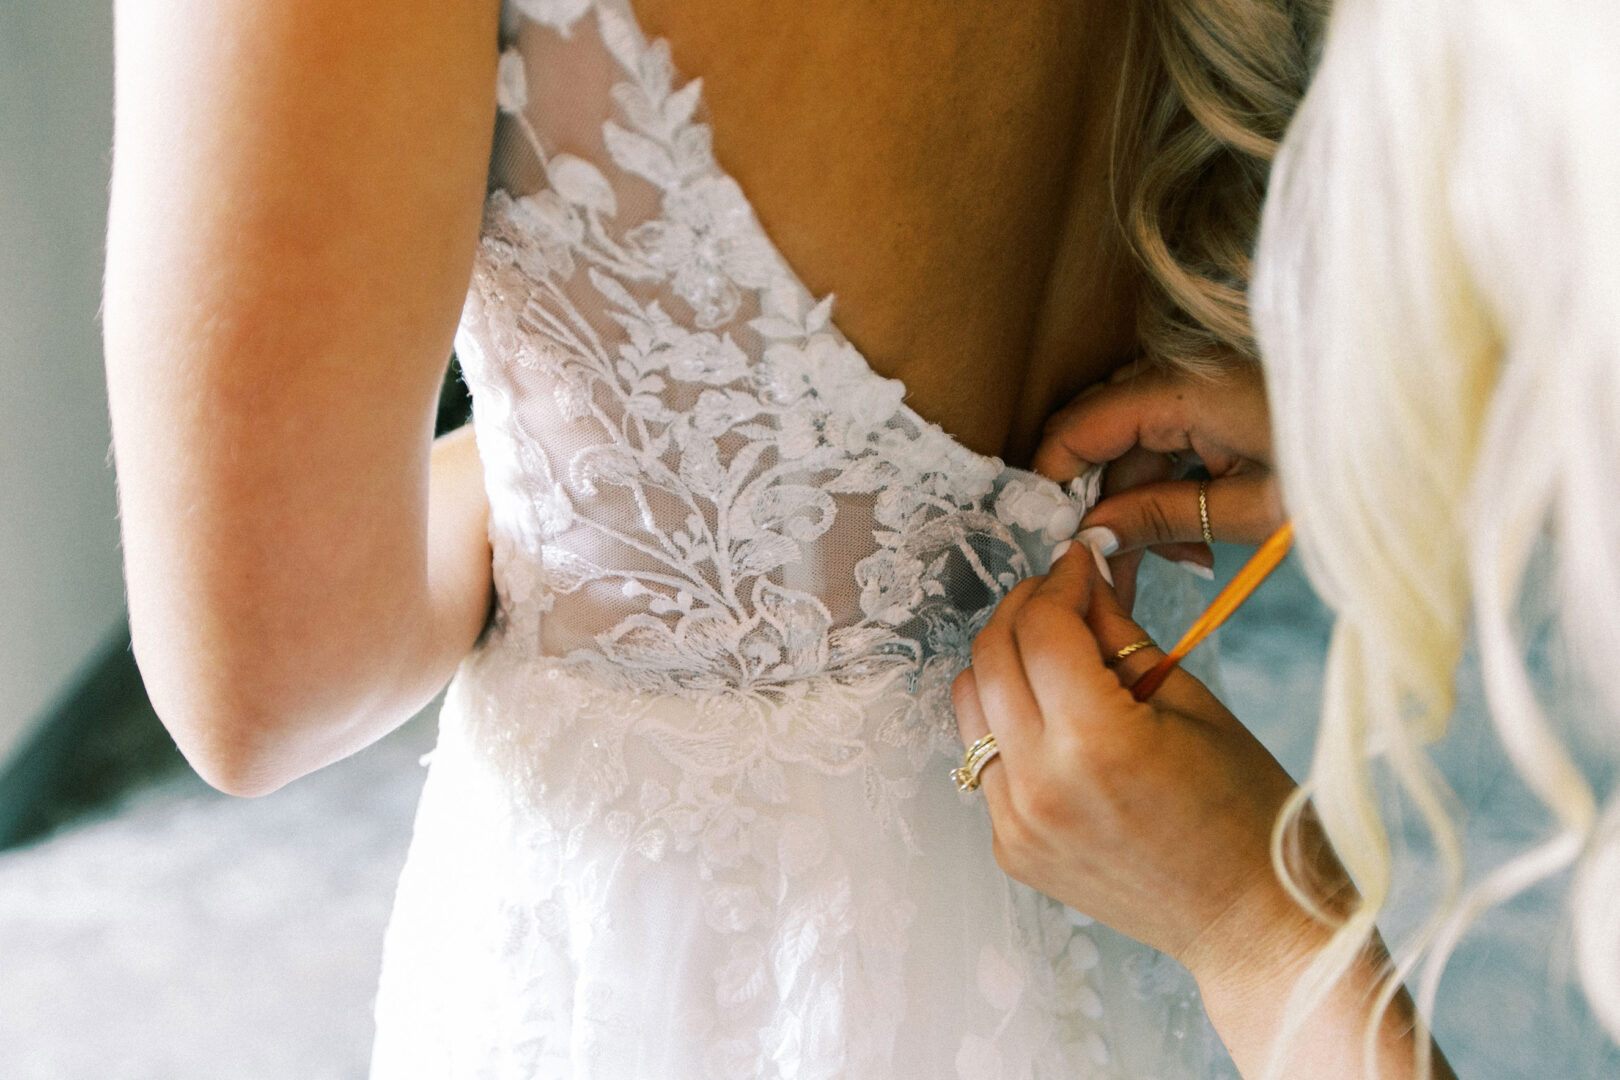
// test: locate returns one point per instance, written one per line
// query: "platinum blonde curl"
(1436, 302)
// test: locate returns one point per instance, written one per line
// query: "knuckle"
(1068, 753)
(1028, 618)
(1058, 422)
(1046, 808)
(1067, 418)
(1157, 527)
(1271, 500)
(1036, 617)
(1022, 590)
(963, 689)
(1053, 459)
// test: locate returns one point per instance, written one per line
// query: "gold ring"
(1203, 510)
(1133, 647)
(977, 757)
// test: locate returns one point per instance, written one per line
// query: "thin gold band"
(1203, 510)
(1133, 647)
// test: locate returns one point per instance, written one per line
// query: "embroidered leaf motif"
(581, 183)
(620, 36)
(607, 464)
(700, 471)
(742, 978)
(639, 154)
(768, 780)
(617, 294)
(795, 943)
(762, 554)
(565, 571)
(866, 475)
(680, 106)
(795, 510)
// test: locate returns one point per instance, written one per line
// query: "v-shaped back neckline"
(1085, 488)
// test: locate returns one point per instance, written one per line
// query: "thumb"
(1069, 580)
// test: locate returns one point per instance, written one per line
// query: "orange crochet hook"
(1237, 590)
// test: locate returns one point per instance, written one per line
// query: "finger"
(1242, 509)
(1222, 418)
(1136, 467)
(1148, 410)
(1060, 655)
(974, 724)
(1132, 469)
(1126, 566)
(1114, 629)
(1111, 623)
(971, 723)
(1003, 689)
(1196, 559)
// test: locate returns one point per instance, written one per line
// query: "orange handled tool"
(1247, 580)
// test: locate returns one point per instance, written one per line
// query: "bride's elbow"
(228, 751)
(234, 774)
(238, 734)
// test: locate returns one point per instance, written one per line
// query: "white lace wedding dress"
(689, 816)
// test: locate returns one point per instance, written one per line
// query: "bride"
(710, 556)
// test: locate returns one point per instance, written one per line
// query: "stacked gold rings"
(977, 757)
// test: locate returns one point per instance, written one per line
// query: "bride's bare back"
(942, 167)
(296, 196)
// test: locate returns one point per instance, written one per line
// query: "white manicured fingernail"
(1102, 565)
(1197, 570)
(1059, 548)
(1101, 538)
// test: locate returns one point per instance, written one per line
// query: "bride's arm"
(295, 203)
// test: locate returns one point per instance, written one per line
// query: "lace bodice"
(698, 485)
(689, 815)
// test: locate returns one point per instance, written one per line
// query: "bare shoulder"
(301, 161)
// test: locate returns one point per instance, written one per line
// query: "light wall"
(61, 594)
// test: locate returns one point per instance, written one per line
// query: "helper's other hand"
(1149, 426)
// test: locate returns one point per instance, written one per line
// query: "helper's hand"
(1147, 425)
(1153, 817)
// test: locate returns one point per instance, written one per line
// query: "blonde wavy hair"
(1208, 89)
(1438, 305)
